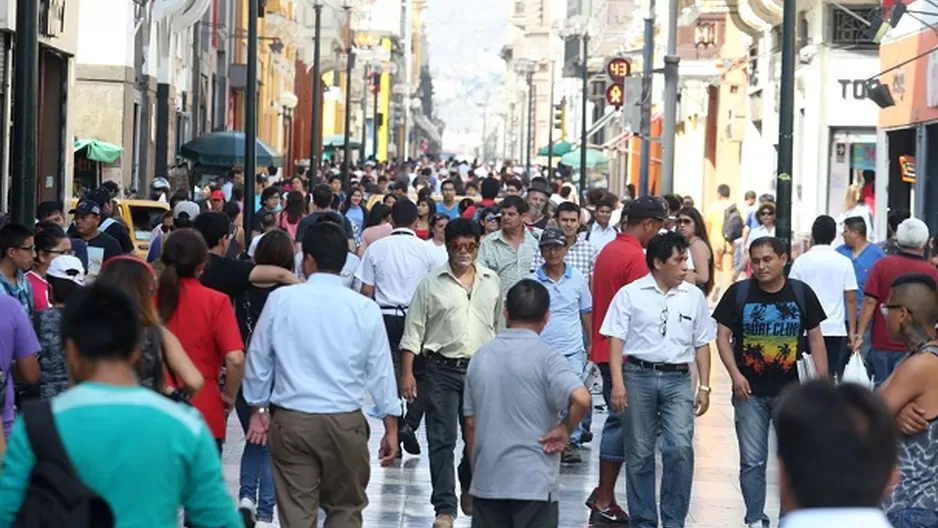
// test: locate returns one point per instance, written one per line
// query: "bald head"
(919, 295)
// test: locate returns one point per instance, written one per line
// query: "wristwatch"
(261, 410)
(705, 388)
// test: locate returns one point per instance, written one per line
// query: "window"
(754, 64)
(847, 30)
(803, 38)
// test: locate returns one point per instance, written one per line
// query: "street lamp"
(349, 66)
(526, 68)
(316, 125)
(579, 27)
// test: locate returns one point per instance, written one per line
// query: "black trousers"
(444, 420)
(495, 513)
(394, 326)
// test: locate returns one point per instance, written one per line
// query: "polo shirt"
(830, 275)
(862, 266)
(621, 262)
(569, 299)
(886, 270)
(204, 322)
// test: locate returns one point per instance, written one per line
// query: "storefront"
(907, 143)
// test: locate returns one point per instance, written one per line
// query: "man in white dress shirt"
(389, 272)
(660, 325)
(331, 346)
(837, 454)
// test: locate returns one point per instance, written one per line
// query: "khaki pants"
(723, 252)
(320, 460)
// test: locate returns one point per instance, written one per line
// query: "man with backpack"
(763, 322)
(109, 452)
(724, 226)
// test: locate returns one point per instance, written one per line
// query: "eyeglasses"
(468, 247)
(663, 327)
(884, 308)
(27, 248)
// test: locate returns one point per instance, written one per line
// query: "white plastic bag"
(807, 370)
(855, 372)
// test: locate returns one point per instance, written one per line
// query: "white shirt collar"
(648, 282)
(403, 230)
(828, 517)
(821, 247)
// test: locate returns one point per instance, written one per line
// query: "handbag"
(176, 393)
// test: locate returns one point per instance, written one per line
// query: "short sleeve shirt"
(516, 387)
(569, 299)
(204, 322)
(229, 276)
(877, 286)
(621, 262)
(17, 341)
(769, 333)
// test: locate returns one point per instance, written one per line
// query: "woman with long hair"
(354, 207)
(438, 233)
(159, 348)
(700, 255)
(378, 226)
(855, 206)
(50, 241)
(489, 221)
(256, 491)
(289, 218)
(425, 209)
(204, 321)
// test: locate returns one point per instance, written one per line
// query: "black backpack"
(56, 496)
(732, 224)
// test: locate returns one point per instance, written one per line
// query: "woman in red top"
(425, 209)
(204, 322)
(50, 242)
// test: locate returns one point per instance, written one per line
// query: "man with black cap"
(621, 262)
(109, 224)
(101, 246)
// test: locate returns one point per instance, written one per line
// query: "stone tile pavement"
(400, 495)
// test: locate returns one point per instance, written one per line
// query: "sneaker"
(613, 515)
(265, 524)
(591, 500)
(570, 455)
(408, 438)
(465, 502)
(759, 524)
(587, 437)
(248, 511)
(444, 520)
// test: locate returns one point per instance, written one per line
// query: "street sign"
(615, 94)
(618, 69)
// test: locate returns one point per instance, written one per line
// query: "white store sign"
(847, 104)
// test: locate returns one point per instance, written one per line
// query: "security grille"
(846, 30)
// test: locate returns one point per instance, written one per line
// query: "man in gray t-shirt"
(516, 387)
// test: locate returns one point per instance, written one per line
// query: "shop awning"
(96, 150)
(593, 158)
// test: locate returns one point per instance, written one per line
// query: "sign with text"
(618, 69)
(615, 94)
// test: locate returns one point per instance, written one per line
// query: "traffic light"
(559, 118)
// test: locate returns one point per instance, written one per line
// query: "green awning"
(337, 141)
(98, 150)
(557, 149)
(593, 158)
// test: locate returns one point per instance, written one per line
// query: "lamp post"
(349, 66)
(250, 122)
(579, 27)
(526, 68)
(315, 136)
(25, 112)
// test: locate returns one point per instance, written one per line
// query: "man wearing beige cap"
(886, 353)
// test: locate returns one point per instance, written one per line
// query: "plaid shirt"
(582, 256)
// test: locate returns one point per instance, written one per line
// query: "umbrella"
(98, 150)
(593, 158)
(224, 149)
(337, 141)
(559, 149)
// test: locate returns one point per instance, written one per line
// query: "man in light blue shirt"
(316, 348)
(571, 308)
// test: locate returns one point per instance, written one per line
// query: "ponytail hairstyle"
(184, 252)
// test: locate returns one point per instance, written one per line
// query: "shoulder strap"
(801, 296)
(108, 222)
(742, 295)
(44, 436)
(161, 355)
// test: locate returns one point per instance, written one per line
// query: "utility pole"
(786, 117)
(530, 144)
(376, 88)
(347, 147)
(408, 74)
(250, 123)
(315, 137)
(648, 57)
(671, 61)
(584, 78)
(25, 113)
(550, 127)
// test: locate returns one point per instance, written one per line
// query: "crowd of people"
(479, 303)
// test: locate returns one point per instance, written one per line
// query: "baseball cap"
(912, 234)
(645, 207)
(67, 267)
(553, 236)
(191, 209)
(86, 207)
(218, 195)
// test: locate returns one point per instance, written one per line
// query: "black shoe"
(613, 515)
(587, 437)
(409, 440)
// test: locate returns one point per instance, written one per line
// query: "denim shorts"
(913, 518)
(612, 444)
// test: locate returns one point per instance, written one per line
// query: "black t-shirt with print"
(770, 338)
(107, 244)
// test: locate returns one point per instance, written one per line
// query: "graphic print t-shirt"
(769, 335)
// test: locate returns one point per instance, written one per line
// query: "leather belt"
(400, 311)
(660, 367)
(457, 363)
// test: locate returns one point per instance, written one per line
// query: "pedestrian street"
(400, 495)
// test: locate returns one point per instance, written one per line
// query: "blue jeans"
(753, 417)
(578, 363)
(883, 363)
(257, 480)
(913, 518)
(612, 444)
(658, 401)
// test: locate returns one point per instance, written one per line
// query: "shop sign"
(852, 88)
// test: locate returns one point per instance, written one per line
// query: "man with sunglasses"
(454, 311)
(659, 326)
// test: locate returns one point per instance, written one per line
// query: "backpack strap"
(801, 296)
(742, 295)
(44, 436)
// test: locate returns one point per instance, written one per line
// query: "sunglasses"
(885, 308)
(684, 221)
(493, 218)
(766, 213)
(468, 247)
